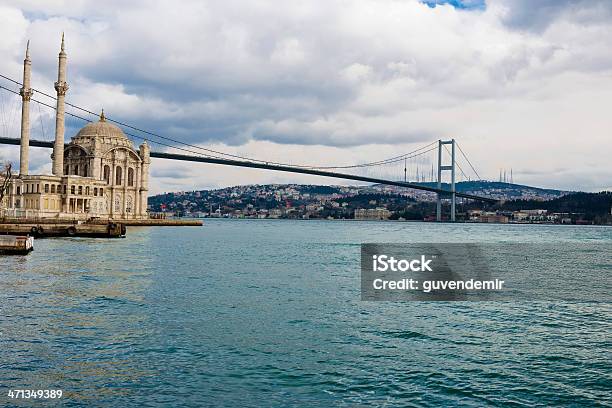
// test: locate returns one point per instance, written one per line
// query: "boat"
(16, 244)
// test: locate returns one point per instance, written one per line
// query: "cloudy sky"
(521, 85)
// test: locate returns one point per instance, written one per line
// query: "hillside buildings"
(294, 201)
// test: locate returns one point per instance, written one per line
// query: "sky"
(521, 85)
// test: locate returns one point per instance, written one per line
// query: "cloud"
(177, 171)
(538, 16)
(520, 84)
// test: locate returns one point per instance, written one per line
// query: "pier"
(157, 222)
(52, 228)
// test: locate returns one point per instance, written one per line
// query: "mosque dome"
(101, 128)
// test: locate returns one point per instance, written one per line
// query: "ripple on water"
(243, 313)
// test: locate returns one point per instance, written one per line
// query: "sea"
(268, 313)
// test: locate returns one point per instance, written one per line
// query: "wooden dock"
(59, 229)
(170, 222)
(16, 244)
(101, 228)
(154, 222)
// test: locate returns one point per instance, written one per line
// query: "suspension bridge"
(420, 169)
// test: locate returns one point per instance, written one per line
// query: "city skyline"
(519, 87)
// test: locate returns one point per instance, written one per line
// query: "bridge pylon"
(450, 168)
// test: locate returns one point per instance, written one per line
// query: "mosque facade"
(98, 174)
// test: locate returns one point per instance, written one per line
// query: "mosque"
(99, 174)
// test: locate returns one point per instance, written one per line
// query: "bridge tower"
(451, 168)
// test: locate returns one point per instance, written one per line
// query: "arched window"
(80, 190)
(18, 191)
(107, 174)
(95, 191)
(72, 189)
(101, 192)
(128, 204)
(67, 170)
(46, 188)
(87, 190)
(53, 188)
(118, 175)
(130, 177)
(76, 170)
(85, 169)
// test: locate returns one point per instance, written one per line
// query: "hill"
(592, 206)
(500, 190)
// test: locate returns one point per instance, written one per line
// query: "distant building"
(535, 212)
(520, 216)
(312, 207)
(474, 215)
(372, 214)
(493, 218)
(276, 213)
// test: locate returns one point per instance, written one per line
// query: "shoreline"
(394, 221)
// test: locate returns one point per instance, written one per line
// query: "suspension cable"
(176, 147)
(460, 169)
(382, 162)
(469, 162)
(127, 133)
(385, 161)
(42, 126)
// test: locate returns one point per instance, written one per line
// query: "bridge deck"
(265, 166)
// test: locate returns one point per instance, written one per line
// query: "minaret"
(61, 87)
(145, 155)
(97, 154)
(26, 94)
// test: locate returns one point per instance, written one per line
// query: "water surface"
(268, 313)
